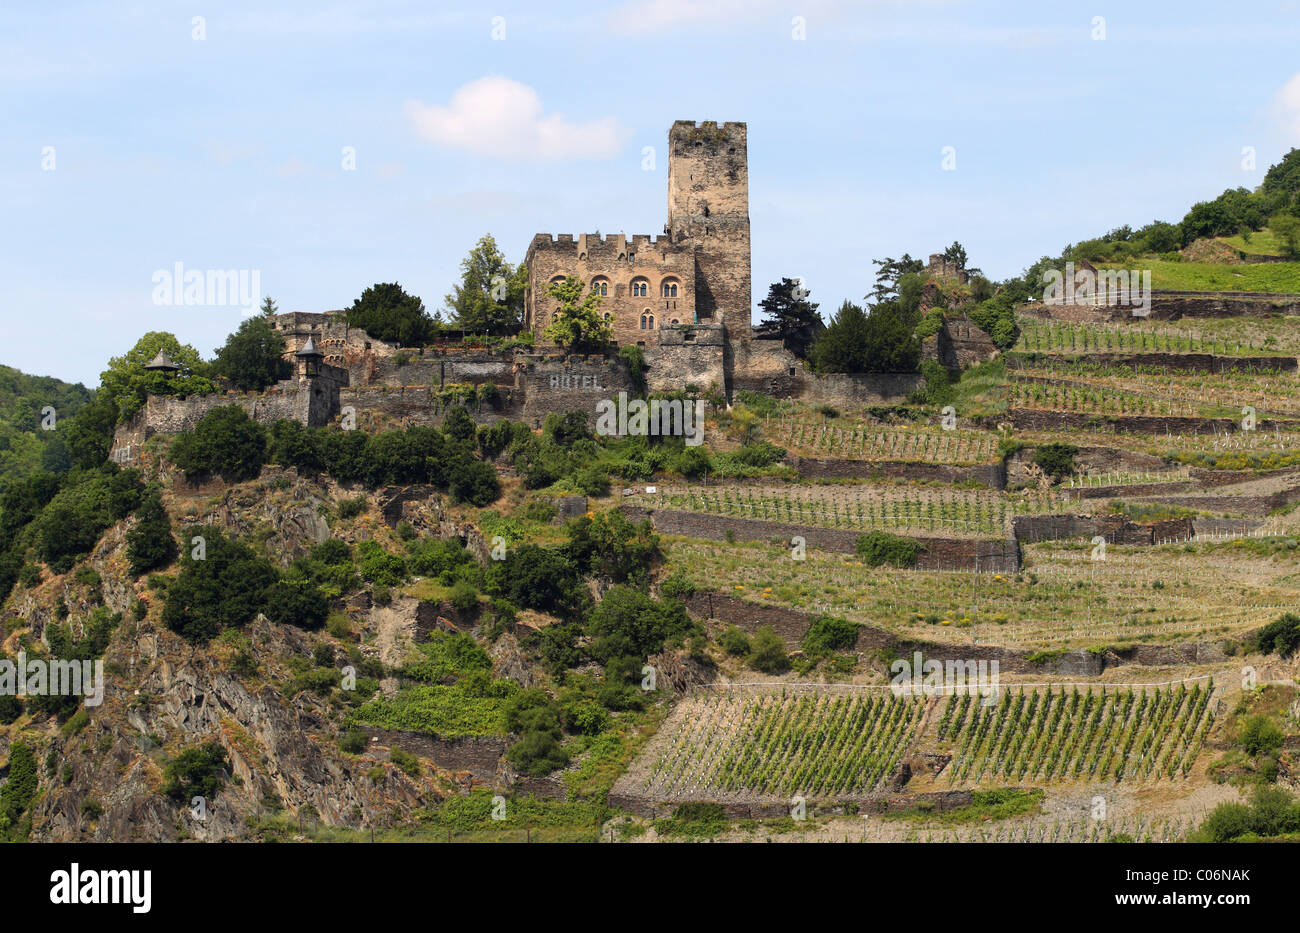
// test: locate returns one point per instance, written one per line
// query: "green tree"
(150, 545)
(222, 586)
(578, 325)
(126, 383)
(890, 274)
(196, 772)
(269, 307)
(791, 316)
(490, 296)
(386, 312)
(225, 442)
(1286, 227)
(253, 356)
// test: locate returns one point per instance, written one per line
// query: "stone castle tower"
(690, 285)
(708, 204)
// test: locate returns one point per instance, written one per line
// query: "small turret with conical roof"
(162, 364)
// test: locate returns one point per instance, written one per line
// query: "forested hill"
(24, 447)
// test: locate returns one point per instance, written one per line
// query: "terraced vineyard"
(864, 506)
(1041, 336)
(1046, 735)
(778, 745)
(833, 437)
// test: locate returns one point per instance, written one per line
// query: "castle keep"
(694, 276)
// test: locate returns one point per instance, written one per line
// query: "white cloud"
(499, 117)
(1286, 107)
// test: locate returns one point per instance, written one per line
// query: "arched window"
(640, 288)
(600, 287)
(670, 288)
(647, 320)
(674, 320)
(606, 315)
(555, 315)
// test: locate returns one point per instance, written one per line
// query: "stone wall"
(312, 403)
(479, 755)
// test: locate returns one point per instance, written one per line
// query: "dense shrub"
(89, 502)
(253, 356)
(543, 579)
(538, 719)
(1056, 460)
(629, 624)
(296, 602)
(225, 442)
(224, 589)
(879, 548)
(196, 772)
(150, 545)
(767, 652)
(827, 634)
(610, 545)
(1279, 637)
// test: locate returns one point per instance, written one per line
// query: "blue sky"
(226, 152)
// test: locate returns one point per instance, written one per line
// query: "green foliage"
(857, 342)
(828, 633)
(543, 579)
(225, 442)
(224, 590)
(996, 317)
(125, 384)
(1260, 735)
(880, 548)
(380, 567)
(252, 358)
(448, 711)
(1056, 460)
(489, 299)
(196, 772)
(150, 545)
(610, 545)
(1272, 812)
(630, 625)
(473, 482)
(407, 763)
(20, 788)
(296, 602)
(538, 719)
(734, 642)
(386, 312)
(578, 325)
(791, 316)
(695, 818)
(1286, 228)
(71, 522)
(767, 652)
(447, 656)
(634, 359)
(25, 445)
(1281, 636)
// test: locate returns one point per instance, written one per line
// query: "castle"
(696, 276)
(685, 297)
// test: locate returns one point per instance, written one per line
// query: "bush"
(195, 772)
(353, 742)
(539, 720)
(1260, 736)
(295, 602)
(734, 642)
(879, 548)
(1279, 637)
(1056, 460)
(827, 634)
(767, 652)
(629, 624)
(473, 482)
(407, 763)
(253, 356)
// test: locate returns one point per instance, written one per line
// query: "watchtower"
(708, 204)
